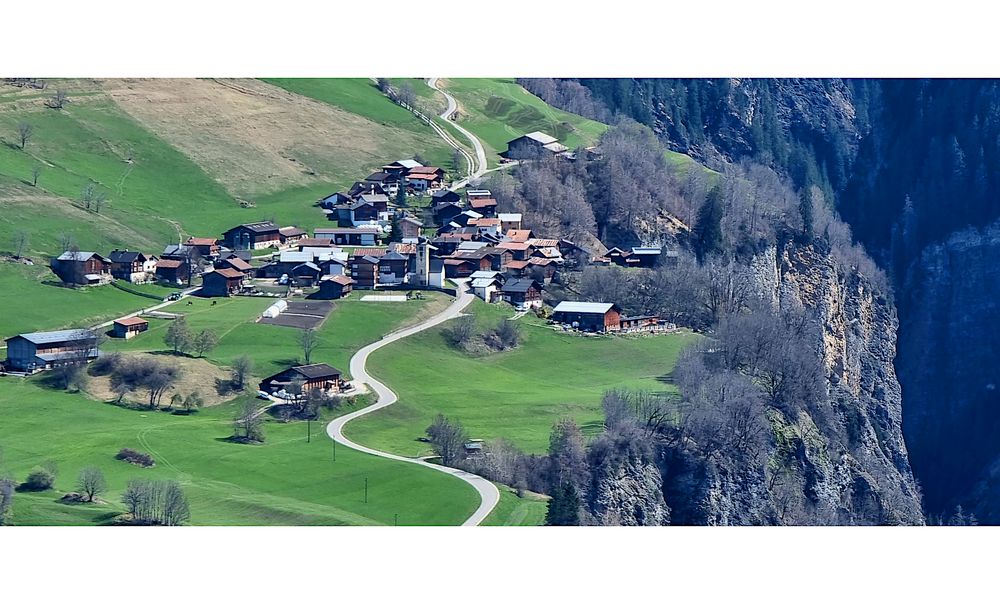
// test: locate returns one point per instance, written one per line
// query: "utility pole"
(335, 449)
(366, 489)
(395, 520)
(308, 430)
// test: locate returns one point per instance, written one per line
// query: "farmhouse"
(222, 282)
(368, 209)
(422, 178)
(173, 271)
(487, 206)
(363, 187)
(445, 212)
(46, 349)
(509, 221)
(409, 227)
(317, 376)
(253, 236)
(134, 267)
(522, 293)
(335, 199)
(291, 235)
(234, 262)
(589, 316)
(82, 268)
(334, 287)
(129, 327)
(206, 246)
(487, 288)
(445, 196)
(637, 257)
(533, 145)
(349, 236)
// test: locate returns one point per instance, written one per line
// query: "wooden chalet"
(317, 376)
(523, 293)
(588, 316)
(334, 287)
(222, 282)
(134, 267)
(82, 268)
(253, 236)
(129, 327)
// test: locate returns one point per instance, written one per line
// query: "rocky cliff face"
(842, 461)
(947, 366)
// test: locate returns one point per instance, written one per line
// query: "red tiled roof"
(482, 202)
(517, 264)
(200, 241)
(167, 263)
(423, 170)
(519, 234)
(229, 273)
(130, 321)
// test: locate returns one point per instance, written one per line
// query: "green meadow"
(517, 394)
(285, 481)
(351, 325)
(498, 110)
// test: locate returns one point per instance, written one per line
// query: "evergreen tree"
(401, 196)
(564, 507)
(394, 233)
(708, 228)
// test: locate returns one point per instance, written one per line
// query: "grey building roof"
(541, 137)
(78, 256)
(584, 307)
(49, 337)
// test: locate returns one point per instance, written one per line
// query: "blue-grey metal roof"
(48, 337)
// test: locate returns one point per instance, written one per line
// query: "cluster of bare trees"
(463, 335)
(155, 376)
(567, 95)
(248, 423)
(92, 199)
(448, 439)
(156, 502)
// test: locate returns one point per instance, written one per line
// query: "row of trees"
(159, 502)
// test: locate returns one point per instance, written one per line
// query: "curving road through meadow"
(478, 168)
(488, 493)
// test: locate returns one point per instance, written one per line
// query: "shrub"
(106, 364)
(135, 457)
(40, 479)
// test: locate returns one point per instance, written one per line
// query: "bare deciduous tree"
(91, 482)
(24, 133)
(448, 439)
(204, 342)
(58, 100)
(241, 370)
(248, 423)
(20, 243)
(308, 341)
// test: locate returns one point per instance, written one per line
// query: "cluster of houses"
(365, 212)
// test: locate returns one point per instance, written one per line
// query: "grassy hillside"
(360, 96)
(284, 481)
(498, 110)
(518, 394)
(31, 299)
(351, 325)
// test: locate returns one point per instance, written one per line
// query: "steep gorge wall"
(949, 372)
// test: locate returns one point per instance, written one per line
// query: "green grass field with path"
(517, 394)
(285, 481)
(32, 300)
(351, 325)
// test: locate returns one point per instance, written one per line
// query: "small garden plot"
(308, 314)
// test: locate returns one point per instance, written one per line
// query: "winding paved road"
(488, 492)
(479, 168)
